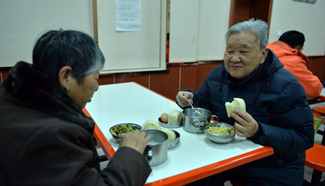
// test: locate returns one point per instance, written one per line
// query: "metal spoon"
(191, 104)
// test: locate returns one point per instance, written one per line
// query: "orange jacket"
(296, 63)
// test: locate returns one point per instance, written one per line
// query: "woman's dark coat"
(47, 141)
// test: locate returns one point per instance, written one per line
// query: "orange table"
(125, 103)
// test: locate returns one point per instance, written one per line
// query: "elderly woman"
(45, 137)
(277, 114)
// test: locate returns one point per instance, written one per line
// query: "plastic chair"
(315, 159)
(315, 156)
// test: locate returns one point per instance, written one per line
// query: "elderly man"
(277, 114)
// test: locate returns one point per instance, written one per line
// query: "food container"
(196, 119)
(172, 143)
(122, 128)
(169, 124)
(174, 119)
(157, 148)
(220, 133)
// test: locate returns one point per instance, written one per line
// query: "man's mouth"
(236, 66)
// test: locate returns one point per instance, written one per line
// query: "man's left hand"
(245, 125)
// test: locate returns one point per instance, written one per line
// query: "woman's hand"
(135, 140)
(245, 125)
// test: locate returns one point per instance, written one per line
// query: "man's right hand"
(135, 140)
(184, 98)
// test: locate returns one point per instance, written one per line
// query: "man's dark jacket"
(277, 102)
(47, 141)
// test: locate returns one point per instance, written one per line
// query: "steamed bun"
(151, 125)
(171, 134)
(237, 103)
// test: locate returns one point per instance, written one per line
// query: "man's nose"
(235, 58)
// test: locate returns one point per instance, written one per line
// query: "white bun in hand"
(237, 103)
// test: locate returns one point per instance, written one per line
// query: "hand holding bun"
(236, 104)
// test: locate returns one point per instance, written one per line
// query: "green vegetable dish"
(124, 128)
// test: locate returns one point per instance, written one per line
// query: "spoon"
(191, 104)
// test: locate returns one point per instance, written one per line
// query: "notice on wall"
(128, 15)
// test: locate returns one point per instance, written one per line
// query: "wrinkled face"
(243, 54)
(82, 92)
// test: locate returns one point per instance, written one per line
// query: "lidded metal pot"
(196, 119)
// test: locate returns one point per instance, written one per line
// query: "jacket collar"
(30, 88)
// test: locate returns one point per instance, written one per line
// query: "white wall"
(143, 50)
(307, 18)
(23, 21)
(197, 30)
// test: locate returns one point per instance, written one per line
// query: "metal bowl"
(196, 119)
(220, 133)
(157, 148)
(173, 143)
(122, 128)
(169, 124)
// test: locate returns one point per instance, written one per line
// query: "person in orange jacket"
(289, 51)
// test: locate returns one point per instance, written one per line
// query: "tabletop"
(194, 158)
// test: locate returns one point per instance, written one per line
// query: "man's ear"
(65, 77)
(264, 54)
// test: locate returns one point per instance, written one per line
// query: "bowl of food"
(173, 136)
(123, 128)
(220, 133)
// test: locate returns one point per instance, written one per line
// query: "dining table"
(194, 158)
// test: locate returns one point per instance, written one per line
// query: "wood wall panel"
(188, 77)
(166, 83)
(260, 9)
(141, 78)
(107, 79)
(204, 71)
(317, 66)
(240, 10)
(245, 9)
(3, 74)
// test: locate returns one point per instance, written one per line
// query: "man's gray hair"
(258, 27)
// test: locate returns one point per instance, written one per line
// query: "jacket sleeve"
(290, 130)
(202, 96)
(128, 167)
(310, 82)
(63, 157)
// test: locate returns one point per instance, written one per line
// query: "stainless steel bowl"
(220, 133)
(173, 143)
(157, 148)
(196, 119)
(169, 124)
(121, 128)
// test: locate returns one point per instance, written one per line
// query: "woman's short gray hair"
(258, 27)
